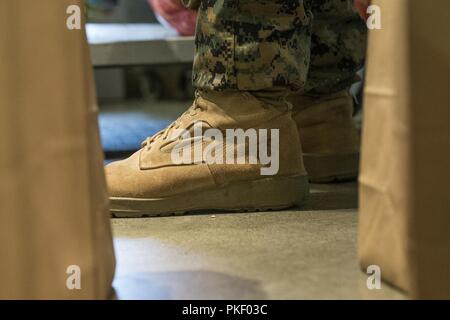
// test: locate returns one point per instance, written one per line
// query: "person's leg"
(252, 45)
(338, 46)
(246, 63)
(323, 110)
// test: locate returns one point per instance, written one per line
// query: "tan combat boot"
(153, 182)
(330, 140)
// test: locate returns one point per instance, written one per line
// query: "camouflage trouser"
(278, 45)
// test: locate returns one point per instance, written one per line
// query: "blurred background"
(142, 66)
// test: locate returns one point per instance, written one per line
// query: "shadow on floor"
(185, 285)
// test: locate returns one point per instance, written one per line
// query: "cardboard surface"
(405, 171)
(53, 201)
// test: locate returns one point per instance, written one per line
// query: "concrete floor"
(305, 253)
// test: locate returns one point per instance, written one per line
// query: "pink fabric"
(361, 6)
(176, 15)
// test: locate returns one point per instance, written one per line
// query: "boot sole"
(331, 168)
(258, 195)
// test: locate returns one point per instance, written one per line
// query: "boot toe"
(119, 179)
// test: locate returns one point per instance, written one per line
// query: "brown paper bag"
(53, 204)
(405, 171)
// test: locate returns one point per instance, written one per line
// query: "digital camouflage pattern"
(338, 46)
(276, 45)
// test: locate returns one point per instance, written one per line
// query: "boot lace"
(164, 134)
